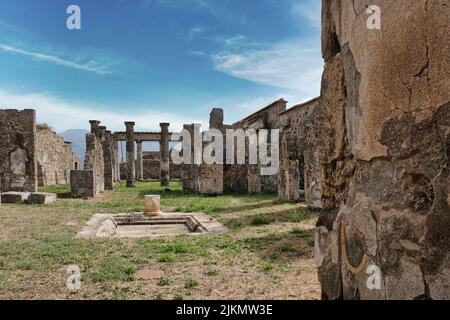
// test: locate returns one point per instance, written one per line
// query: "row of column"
(135, 169)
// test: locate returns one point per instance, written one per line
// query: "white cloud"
(62, 115)
(295, 64)
(310, 10)
(89, 66)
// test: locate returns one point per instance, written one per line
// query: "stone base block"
(152, 205)
(42, 198)
(15, 197)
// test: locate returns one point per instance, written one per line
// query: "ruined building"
(18, 150)
(383, 143)
(295, 175)
(55, 158)
(32, 155)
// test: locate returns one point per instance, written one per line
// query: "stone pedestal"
(164, 149)
(152, 205)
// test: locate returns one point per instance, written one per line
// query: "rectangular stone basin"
(138, 225)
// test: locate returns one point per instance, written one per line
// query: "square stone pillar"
(140, 162)
(165, 157)
(131, 167)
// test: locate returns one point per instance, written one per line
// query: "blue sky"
(157, 60)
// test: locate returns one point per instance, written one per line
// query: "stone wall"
(90, 181)
(384, 153)
(18, 169)
(152, 167)
(293, 180)
(55, 158)
(248, 178)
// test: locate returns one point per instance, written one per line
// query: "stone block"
(152, 205)
(42, 198)
(15, 197)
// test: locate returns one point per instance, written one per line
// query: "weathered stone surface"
(55, 158)
(18, 169)
(15, 197)
(152, 205)
(41, 198)
(90, 182)
(165, 157)
(131, 164)
(385, 179)
(295, 125)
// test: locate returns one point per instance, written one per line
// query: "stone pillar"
(102, 133)
(117, 161)
(164, 150)
(382, 137)
(140, 162)
(131, 168)
(95, 127)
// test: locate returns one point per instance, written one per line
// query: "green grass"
(37, 243)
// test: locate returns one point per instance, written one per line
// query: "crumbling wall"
(90, 181)
(55, 158)
(384, 166)
(248, 178)
(294, 126)
(18, 169)
(207, 179)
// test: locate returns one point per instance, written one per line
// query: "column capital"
(130, 123)
(164, 124)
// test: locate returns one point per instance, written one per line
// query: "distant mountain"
(78, 139)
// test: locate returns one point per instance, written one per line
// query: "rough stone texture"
(41, 198)
(165, 157)
(248, 178)
(82, 183)
(15, 197)
(90, 182)
(294, 125)
(385, 108)
(108, 159)
(206, 179)
(151, 166)
(18, 169)
(131, 164)
(55, 158)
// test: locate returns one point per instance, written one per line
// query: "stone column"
(164, 150)
(140, 162)
(102, 133)
(95, 128)
(117, 161)
(131, 168)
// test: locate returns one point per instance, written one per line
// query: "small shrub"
(191, 284)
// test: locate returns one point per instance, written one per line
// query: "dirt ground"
(267, 254)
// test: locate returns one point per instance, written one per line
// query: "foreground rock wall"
(384, 160)
(18, 150)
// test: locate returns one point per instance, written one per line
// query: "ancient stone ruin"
(384, 133)
(30, 156)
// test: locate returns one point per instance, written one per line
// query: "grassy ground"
(266, 255)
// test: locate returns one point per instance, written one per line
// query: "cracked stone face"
(385, 177)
